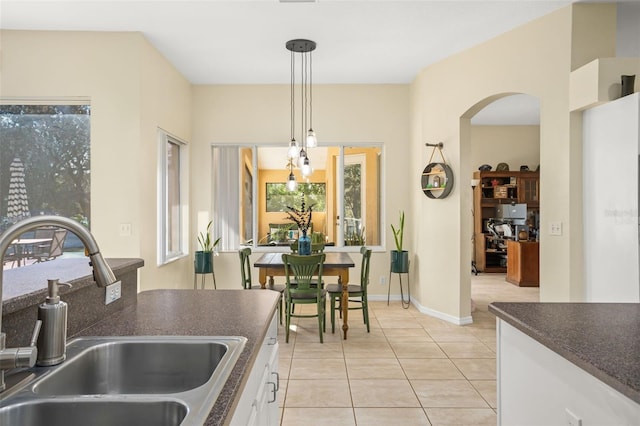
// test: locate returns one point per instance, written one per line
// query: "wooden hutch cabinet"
(499, 188)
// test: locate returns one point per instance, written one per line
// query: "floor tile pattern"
(411, 369)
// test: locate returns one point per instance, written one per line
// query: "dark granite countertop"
(200, 313)
(601, 338)
(27, 286)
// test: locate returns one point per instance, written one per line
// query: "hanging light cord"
(293, 102)
(310, 90)
(303, 100)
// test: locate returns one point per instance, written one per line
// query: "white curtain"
(226, 196)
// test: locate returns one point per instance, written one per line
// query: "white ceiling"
(243, 42)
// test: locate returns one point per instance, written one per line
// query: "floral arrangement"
(301, 217)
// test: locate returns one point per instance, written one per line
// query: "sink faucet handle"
(36, 333)
(22, 357)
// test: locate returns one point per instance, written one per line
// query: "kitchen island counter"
(601, 339)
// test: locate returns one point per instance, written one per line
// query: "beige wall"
(514, 145)
(535, 59)
(133, 91)
(259, 114)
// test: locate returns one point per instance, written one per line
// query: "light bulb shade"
(292, 184)
(301, 157)
(312, 142)
(294, 151)
(306, 168)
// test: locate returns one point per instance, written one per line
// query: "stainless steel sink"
(159, 380)
(53, 412)
(149, 366)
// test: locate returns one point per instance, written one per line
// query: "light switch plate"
(555, 228)
(125, 229)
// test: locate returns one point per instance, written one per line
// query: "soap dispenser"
(52, 340)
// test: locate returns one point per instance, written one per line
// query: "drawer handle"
(275, 391)
(272, 341)
(277, 380)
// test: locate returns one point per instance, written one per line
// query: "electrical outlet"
(125, 229)
(572, 419)
(383, 280)
(555, 228)
(113, 292)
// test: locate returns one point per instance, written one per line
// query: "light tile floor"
(411, 369)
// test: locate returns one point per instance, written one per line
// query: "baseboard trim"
(424, 310)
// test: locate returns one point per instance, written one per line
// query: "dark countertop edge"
(557, 346)
(120, 323)
(118, 265)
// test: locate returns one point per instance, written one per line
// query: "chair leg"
(324, 316)
(365, 311)
(333, 314)
(288, 320)
(320, 317)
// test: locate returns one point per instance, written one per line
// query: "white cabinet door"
(258, 403)
(536, 386)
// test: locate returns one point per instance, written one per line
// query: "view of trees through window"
(44, 162)
(279, 197)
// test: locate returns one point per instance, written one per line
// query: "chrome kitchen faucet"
(102, 274)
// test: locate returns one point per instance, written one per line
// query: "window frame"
(340, 246)
(165, 255)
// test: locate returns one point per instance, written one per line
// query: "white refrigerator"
(611, 161)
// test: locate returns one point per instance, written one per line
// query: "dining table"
(336, 264)
(21, 243)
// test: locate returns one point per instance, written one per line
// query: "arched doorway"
(503, 130)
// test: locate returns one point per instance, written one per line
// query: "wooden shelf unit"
(499, 188)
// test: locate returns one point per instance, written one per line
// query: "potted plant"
(302, 218)
(204, 257)
(399, 257)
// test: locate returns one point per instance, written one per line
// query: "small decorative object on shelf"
(302, 218)
(627, 85)
(437, 178)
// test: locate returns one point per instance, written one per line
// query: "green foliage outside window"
(278, 197)
(52, 142)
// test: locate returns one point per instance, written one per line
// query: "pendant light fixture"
(292, 184)
(307, 137)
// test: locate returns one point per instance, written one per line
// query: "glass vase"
(304, 244)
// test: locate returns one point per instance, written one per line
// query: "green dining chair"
(304, 270)
(247, 283)
(315, 249)
(357, 292)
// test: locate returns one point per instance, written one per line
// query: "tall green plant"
(398, 233)
(204, 239)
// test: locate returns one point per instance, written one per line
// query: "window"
(45, 163)
(249, 194)
(279, 197)
(172, 210)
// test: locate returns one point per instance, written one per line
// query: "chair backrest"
(43, 233)
(245, 267)
(303, 269)
(364, 270)
(315, 247)
(57, 242)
